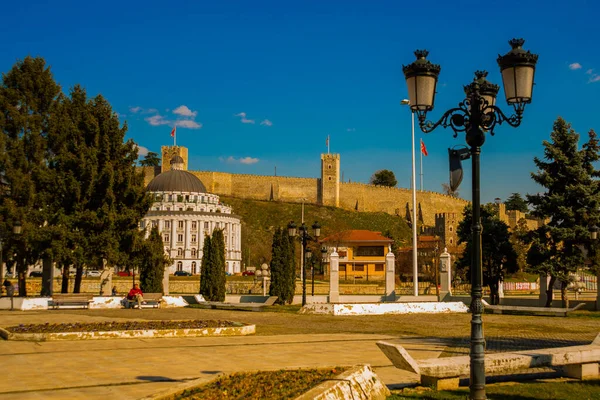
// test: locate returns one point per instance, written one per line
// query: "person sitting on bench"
(136, 294)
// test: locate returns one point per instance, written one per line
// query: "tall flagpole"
(327, 144)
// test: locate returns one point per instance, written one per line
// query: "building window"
(180, 208)
(170, 197)
(450, 241)
(450, 229)
(166, 238)
(225, 240)
(329, 166)
(343, 267)
(194, 272)
(179, 266)
(206, 225)
(379, 268)
(180, 224)
(193, 253)
(366, 251)
(168, 208)
(194, 225)
(179, 252)
(359, 268)
(194, 238)
(329, 178)
(167, 224)
(155, 224)
(180, 238)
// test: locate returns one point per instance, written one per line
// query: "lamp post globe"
(476, 115)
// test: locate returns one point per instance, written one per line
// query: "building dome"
(176, 181)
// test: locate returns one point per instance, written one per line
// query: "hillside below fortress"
(326, 190)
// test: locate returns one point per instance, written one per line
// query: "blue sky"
(256, 85)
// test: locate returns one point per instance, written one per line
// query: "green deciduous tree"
(152, 263)
(570, 204)
(516, 202)
(283, 267)
(384, 177)
(498, 255)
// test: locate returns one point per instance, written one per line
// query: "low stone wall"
(133, 334)
(384, 308)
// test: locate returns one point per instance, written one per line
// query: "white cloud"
(241, 160)
(184, 111)
(589, 71)
(188, 123)
(142, 151)
(351, 130)
(594, 78)
(243, 118)
(266, 122)
(574, 66)
(249, 160)
(157, 120)
(135, 109)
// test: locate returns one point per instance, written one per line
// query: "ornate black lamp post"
(475, 116)
(304, 239)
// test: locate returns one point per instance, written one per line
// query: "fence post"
(334, 277)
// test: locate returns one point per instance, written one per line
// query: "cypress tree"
(153, 262)
(278, 274)
(206, 269)
(218, 271)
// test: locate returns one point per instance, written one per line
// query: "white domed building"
(185, 213)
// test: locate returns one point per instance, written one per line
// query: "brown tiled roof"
(357, 236)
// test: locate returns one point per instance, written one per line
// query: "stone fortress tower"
(167, 154)
(329, 185)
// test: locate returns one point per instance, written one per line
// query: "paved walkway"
(134, 368)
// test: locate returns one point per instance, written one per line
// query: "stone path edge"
(131, 334)
(359, 380)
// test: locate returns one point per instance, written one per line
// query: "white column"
(390, 284)
(186, 239)
(334, 276)
(173, 235)
(445, 274)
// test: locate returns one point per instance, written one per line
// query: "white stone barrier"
(385, 308)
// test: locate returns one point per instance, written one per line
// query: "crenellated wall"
(327, 190)
(364, 197)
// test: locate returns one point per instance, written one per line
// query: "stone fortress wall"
(327, 190)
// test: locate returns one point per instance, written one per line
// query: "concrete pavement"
(134, 368)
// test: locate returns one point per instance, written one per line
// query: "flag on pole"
(327, 144)
(173, 131)
(423, 148)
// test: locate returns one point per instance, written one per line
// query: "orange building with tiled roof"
(362, 253)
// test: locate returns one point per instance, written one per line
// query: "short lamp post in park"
(476, 115)
(304, 237)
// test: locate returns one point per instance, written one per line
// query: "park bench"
(150, 300)
(579, 362)
(77, 299)
(540, 311)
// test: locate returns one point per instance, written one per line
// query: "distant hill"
(261, 218)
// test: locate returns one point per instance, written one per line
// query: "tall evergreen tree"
(219, 278)
(206, 270)
(28, 96)
(498, 255)
(150, 160)
(570, 204)
(153, 262)
(277, 267)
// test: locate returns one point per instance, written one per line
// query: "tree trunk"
(564, 296)
(78, 277)
(22, 278)
(494, 296)
(65, 279)
(549, 291)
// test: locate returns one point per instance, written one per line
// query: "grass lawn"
(538, 390)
